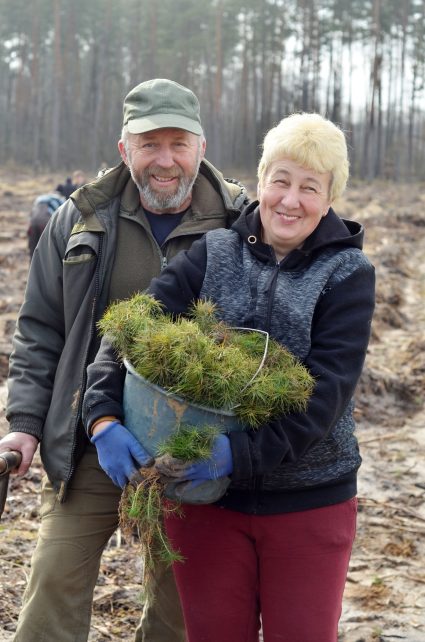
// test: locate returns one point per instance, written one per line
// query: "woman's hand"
(220, 464)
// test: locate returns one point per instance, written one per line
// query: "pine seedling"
(142, 506)
(295, 385)
(206, 362)
(204, 314)
(189, 443)
(221, 377)
(251, 343)
(142, 509)
(126, 320)
(286, 387)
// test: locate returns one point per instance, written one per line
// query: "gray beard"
(156, 200)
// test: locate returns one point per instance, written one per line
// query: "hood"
(233, 193)
(112, 182)
(331, 231)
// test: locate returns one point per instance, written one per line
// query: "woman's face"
(293, 199)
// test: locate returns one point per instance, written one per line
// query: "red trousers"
(290, 569)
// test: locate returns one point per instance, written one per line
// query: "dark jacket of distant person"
(42, 209)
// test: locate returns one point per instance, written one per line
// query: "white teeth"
(287, 216)
(163, 179)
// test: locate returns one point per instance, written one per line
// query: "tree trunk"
(57, 86)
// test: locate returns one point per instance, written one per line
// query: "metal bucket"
(152, 414)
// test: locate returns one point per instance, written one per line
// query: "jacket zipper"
(83, 384)
(162, 258)
(271, 297)
(258, 480)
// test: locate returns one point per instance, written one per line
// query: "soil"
(385, 592)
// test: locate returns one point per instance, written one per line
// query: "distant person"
(46, 204)
(72, 183)
(66, 188)
(79, 178)
(42, 209)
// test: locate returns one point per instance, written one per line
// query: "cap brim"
(159, 121)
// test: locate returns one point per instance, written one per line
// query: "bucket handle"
(260, 367)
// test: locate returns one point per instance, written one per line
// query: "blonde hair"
(311, 141)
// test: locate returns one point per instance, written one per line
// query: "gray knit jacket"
(318, 301)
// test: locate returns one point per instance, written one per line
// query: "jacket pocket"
(78, 272)
(82, 248)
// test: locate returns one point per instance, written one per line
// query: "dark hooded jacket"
(318, 301)
(67, 292)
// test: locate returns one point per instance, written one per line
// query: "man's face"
(164, 164)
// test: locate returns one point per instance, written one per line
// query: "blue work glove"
(120, 454)
(218, 465)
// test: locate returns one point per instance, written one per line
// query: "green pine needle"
(189, 443)
(206, 362)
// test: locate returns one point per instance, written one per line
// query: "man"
(103, 244)
(78, 179)
(46, 204)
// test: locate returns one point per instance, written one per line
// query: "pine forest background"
(65, 66)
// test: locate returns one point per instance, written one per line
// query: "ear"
(203, 147)
(122, 151)
(328, 205)
(258, 191)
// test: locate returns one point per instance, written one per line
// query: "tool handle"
(8, 461)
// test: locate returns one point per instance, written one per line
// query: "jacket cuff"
(110, 409)
(241, 455)
(29, 424)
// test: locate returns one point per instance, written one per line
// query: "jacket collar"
(112, 184)
(331, 231)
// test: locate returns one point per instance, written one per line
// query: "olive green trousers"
(57, 603)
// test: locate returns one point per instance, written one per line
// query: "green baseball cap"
(159, 103)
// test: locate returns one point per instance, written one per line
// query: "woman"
(278, 543)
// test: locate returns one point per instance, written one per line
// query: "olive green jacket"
(67, 291)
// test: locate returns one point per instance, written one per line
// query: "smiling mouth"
(164, 179)
(288, 217)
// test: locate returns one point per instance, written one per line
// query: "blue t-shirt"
(163, 224)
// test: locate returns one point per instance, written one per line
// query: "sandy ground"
(385, 591)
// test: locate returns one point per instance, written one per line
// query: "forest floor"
(385, 592)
